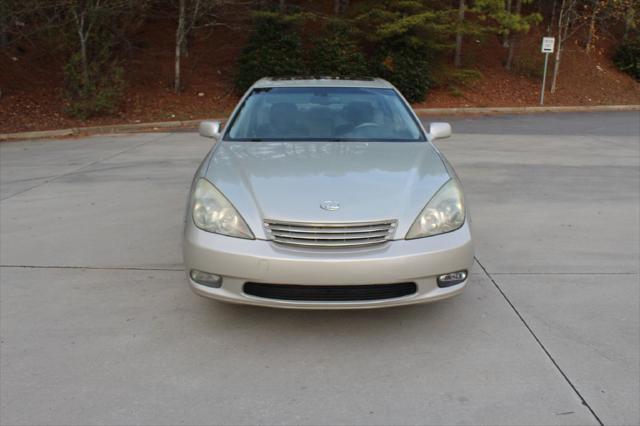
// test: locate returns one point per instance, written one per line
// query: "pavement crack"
(544, 349)
(96, 268)
(84, 166)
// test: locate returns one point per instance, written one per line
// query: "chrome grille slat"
(330, 234)
(331, 230)
(328, 224)
(329, 244)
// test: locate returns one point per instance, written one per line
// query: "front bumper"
(239, 261)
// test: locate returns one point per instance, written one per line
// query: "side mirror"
(210, 129)
(439, 130)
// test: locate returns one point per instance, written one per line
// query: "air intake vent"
(330, 293)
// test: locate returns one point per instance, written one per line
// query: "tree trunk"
(505, 36)
(553, 18)
(4, 24)
(83, 35)
(592, 26)
(556, 70)
(457, 61)
(559, 46)
(512, 41)
(512, 48)
(83, 52)
(189, 23)
(628, 21)
(282, 5)
(85, 59)
(179, 44)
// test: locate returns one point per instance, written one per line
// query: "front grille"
(330, 293)
(330, 234)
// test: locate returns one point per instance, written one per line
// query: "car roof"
(322, 82)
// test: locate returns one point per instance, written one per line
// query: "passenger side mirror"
(210, 129)
(439, 130)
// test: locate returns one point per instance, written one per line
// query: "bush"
(404, 37)
(455, 79)
(336, 53)
(446, 76)
(394, 40)
(97, 93)
(408, 69)
(627, 58)
(274, 49)
(94, 35)
(529, 66)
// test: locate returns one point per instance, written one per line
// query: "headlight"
(443, 213)
(212, 212)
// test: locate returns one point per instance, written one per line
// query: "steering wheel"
(365, 125)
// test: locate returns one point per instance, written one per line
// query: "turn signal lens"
(452, 278)
(205, 278)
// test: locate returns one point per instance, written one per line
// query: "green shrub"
(464, 76)
(627, 58)
(274, 49)
(456, 91)
(95, 35)
(531, 66)
(395, 40)
(336, 53)
(404, 37)
(408, 69)
(96, 93)
(455, 79)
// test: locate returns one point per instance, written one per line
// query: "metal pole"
(544, 78)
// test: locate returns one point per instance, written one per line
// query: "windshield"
(324, 113)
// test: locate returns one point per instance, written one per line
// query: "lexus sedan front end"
(326, 194)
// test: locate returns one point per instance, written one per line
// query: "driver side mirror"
(210, 129)
(439, 130)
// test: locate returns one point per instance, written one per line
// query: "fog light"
(205, 278)
(452, 278)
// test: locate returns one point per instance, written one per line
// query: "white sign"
(548, 44)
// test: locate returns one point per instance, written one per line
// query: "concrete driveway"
(98, 326)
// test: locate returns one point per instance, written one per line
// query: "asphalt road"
(97, 324)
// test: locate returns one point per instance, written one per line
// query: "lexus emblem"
(330, 205)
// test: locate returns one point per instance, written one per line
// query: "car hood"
(287, 181)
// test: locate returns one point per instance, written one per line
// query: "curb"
(524, 110)
(100, 130)
(154, 126)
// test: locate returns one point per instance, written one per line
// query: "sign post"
(547, 47)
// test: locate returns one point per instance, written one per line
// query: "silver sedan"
(325, 194)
